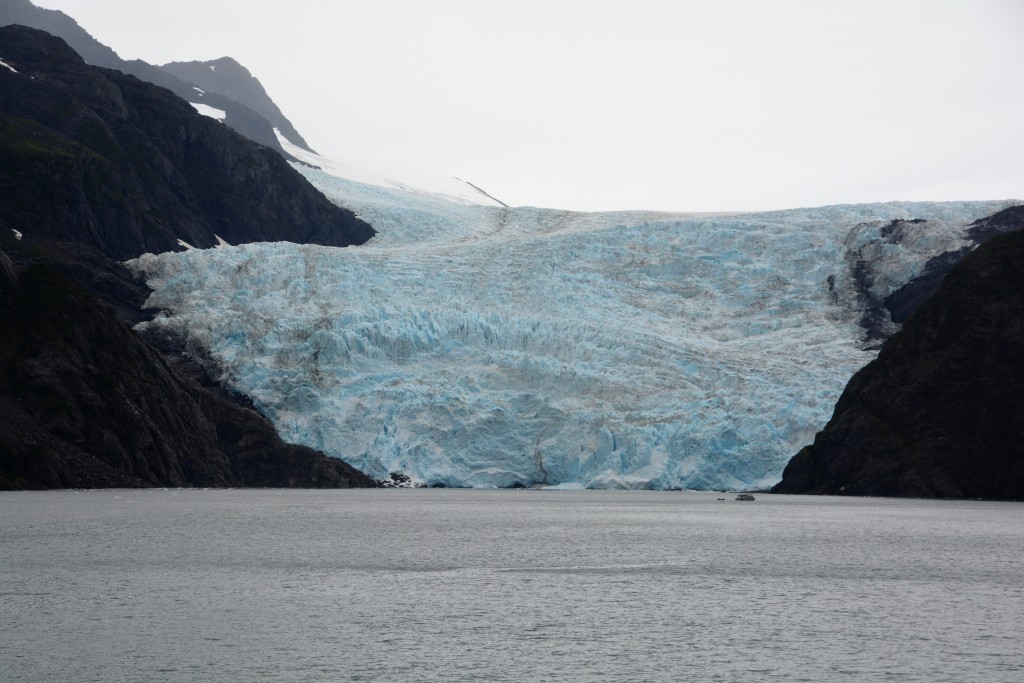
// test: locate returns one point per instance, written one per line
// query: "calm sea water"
(457, 585)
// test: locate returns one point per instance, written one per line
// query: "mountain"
(905, 300)
(467, 345)
(97, 157)
(940, 412)
(243, 117)
(57, 23)
(227, 91)
(491, 346)
(227, 77)
(84, 402)
(99, 166)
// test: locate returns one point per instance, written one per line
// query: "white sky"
(690, 105)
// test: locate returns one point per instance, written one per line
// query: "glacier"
(485, 346)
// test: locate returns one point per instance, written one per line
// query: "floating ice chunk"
(567, 486)
(207, 110)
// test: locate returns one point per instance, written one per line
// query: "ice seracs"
(490, 346)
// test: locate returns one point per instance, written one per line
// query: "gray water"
(462, 585)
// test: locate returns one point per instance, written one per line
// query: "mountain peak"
(100, 158)
(227, 77)
(25, 46)
(254, 122)
(57, 23)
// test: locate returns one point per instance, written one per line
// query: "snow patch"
(406, 177)
(185, 244)
(17, 234)
(201, 92)
(221, 242)
(3, 63)
(207, 110)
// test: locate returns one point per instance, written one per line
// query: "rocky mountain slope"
(227, 77)
(84, 402)
(97, 157)
(242, 115)
(96, 167)
(940, 412)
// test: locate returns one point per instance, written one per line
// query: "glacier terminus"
(487, 346)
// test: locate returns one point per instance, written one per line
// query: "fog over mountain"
(684, 106)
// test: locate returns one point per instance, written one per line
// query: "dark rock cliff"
(910, 296)
(227, 77)
(84, 402)
(241, 116)
(97, 157)
(940, 412)
(95, 167)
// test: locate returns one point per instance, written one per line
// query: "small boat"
(745, 496)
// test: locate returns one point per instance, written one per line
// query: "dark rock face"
(883, 316)
(910, 296)
(1007, 220)
(95, 167)
(100, 158)
(940, 412)
(84, 402)
(227, 77)
(241, 116)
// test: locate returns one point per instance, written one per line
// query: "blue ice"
(488, 347)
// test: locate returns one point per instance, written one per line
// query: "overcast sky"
(690, 105)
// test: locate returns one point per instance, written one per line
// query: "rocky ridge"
(940, 411)
(100, 158)
(228, 78)
(99, 167)
(86, 403)
(243, 115)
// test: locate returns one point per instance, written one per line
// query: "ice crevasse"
(488, 346)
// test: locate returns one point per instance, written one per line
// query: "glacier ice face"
(485, 346)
